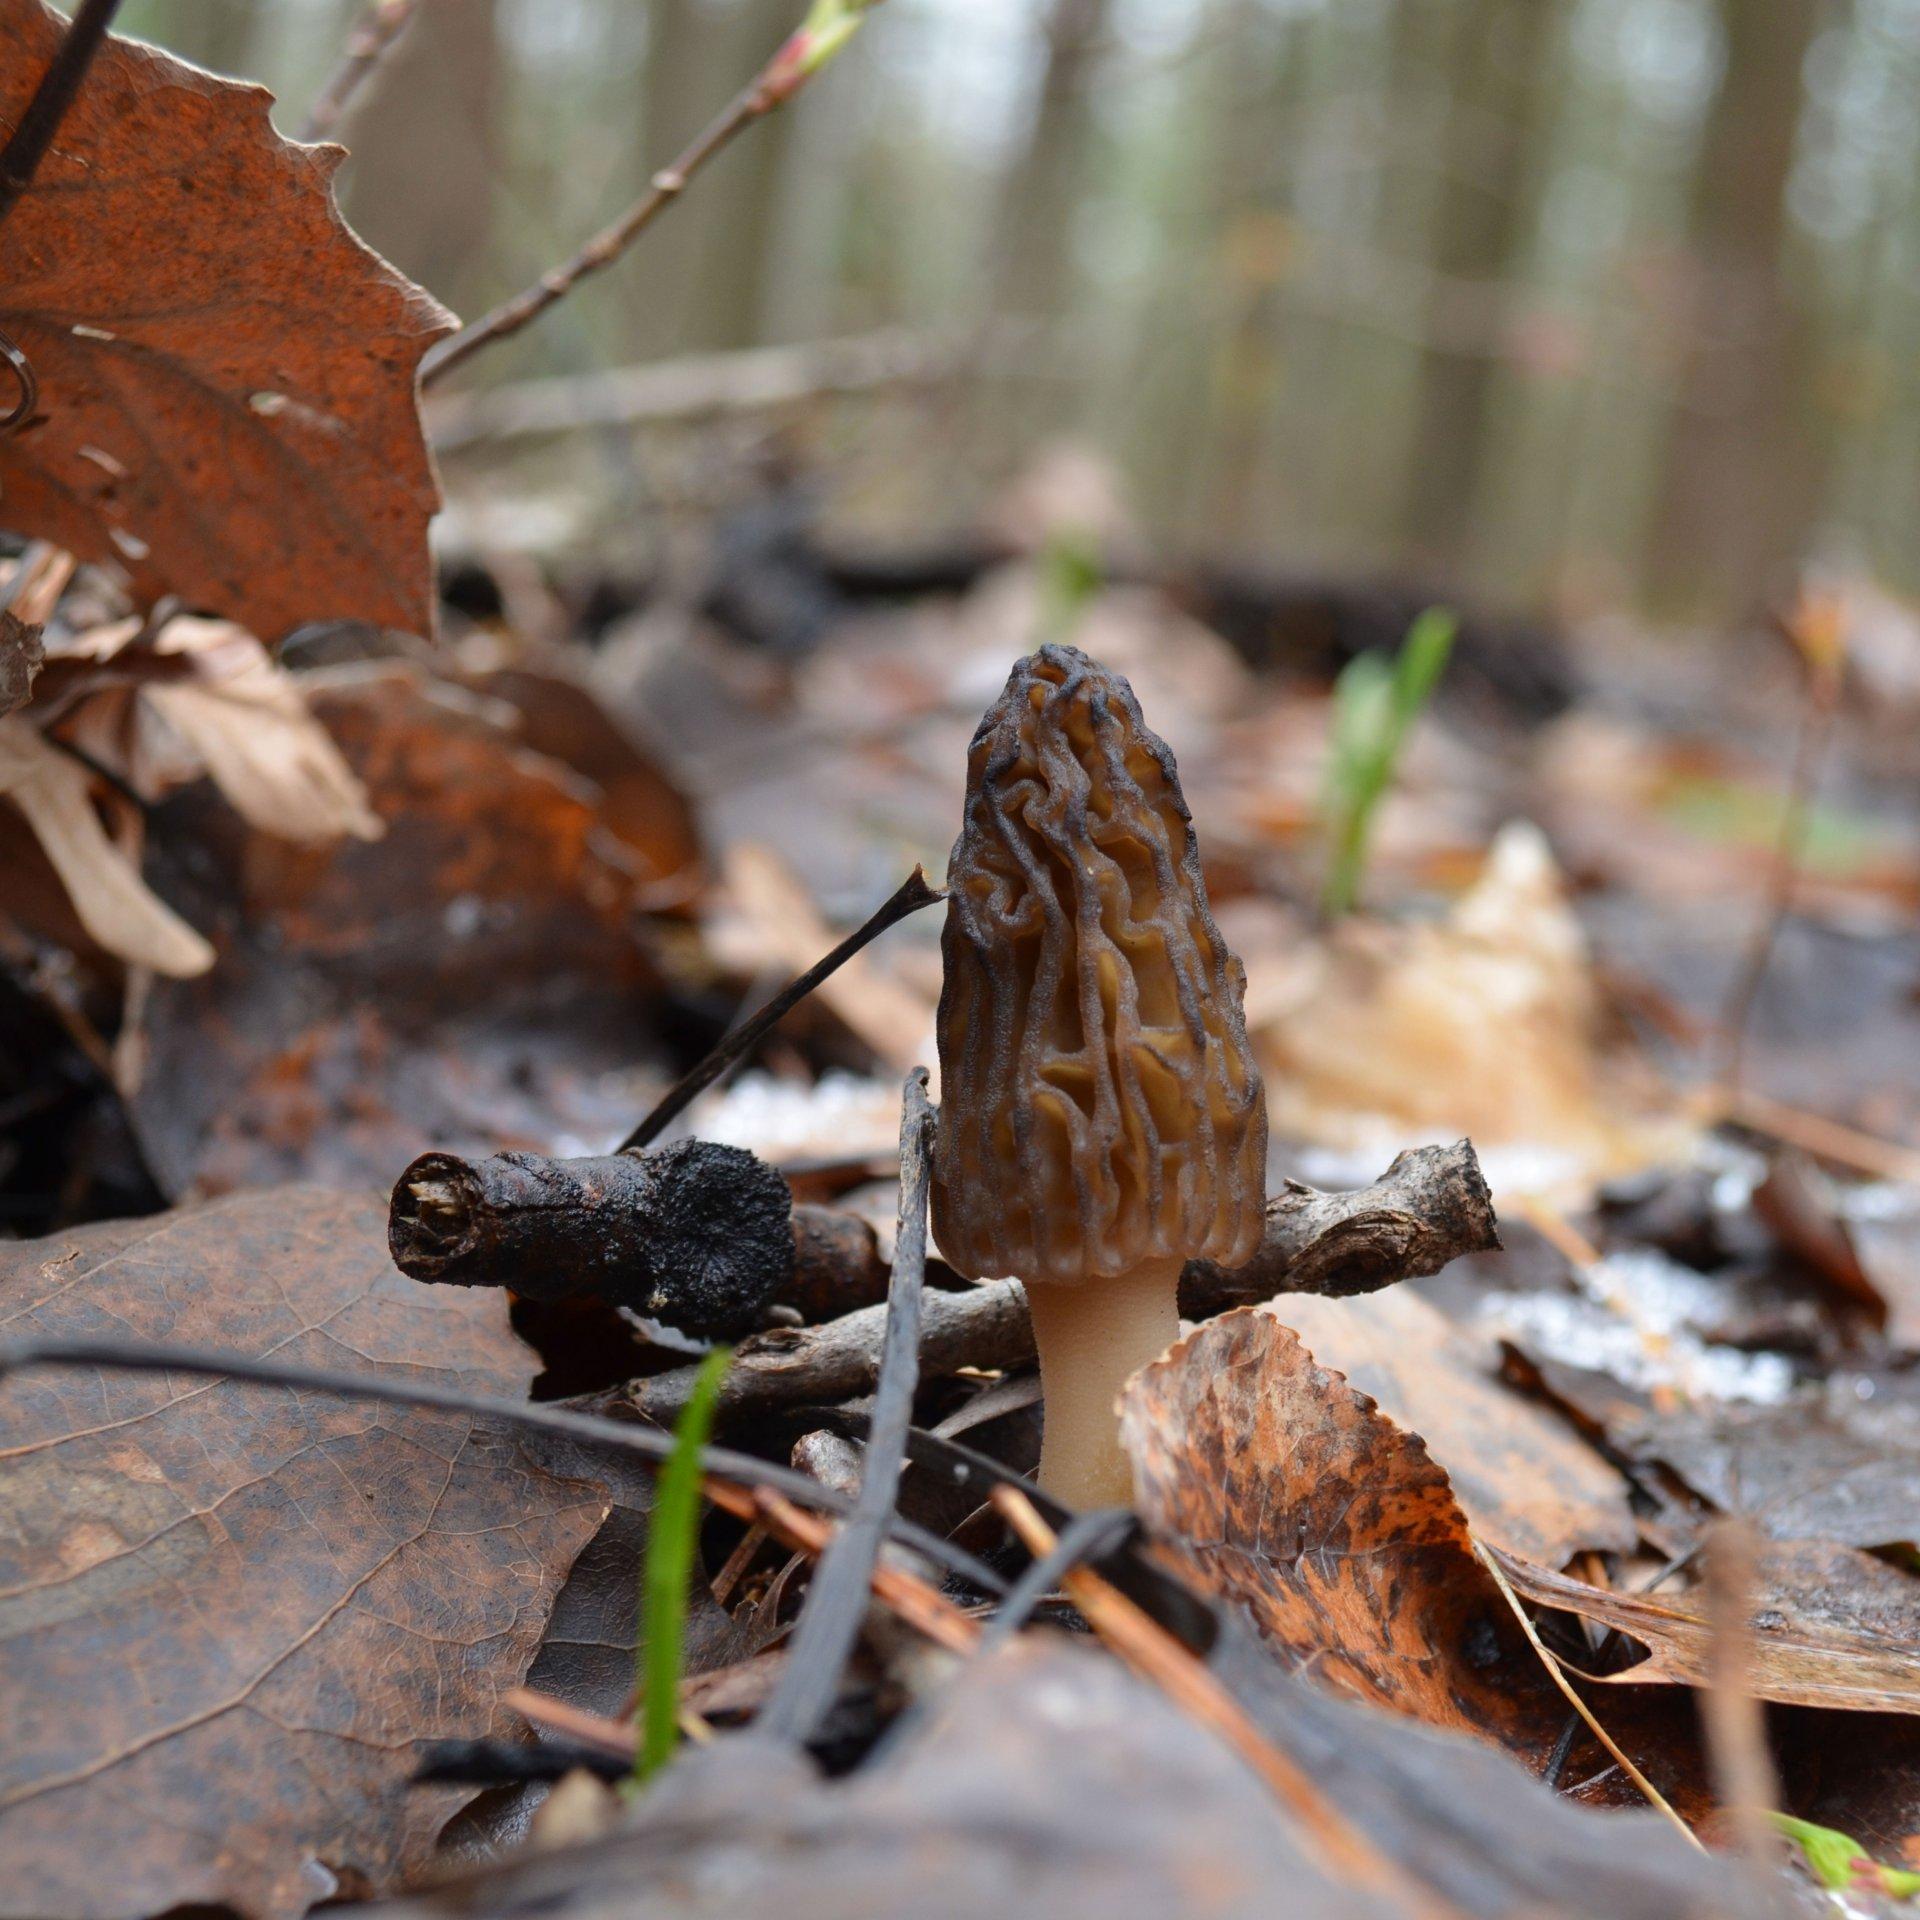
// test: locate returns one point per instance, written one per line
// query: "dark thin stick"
(20, 158)
(650, 1443)
(776, 83)
(1085, 1537)
(915, 892)
(837, 1601)
(380, 24)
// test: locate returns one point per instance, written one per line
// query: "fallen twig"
(698, 1235)
(1429, 1207)
(709, 385)
(1814, 1133)
(830, 1619)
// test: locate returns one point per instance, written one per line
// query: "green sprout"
(1374, 704)
(669, 1568)
(1841, 1864)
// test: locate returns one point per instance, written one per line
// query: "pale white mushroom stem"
(1092, 1338)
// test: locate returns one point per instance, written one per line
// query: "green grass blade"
(1374, 705)
(671, 1538)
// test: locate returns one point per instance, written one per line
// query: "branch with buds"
(827, 29)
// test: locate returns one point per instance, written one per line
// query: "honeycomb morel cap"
(1102, 1120)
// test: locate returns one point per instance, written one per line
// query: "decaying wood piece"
(1430, 1207)
(698, 1235)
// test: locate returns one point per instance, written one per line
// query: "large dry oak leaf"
(230, 1615)
(227, 405)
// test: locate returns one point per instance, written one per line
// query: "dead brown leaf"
(1832, 1627)
(470, 981)
(226, 374)
(1527, 1484)
(1490, 1023)
(1277, 1485)
(228, 1614)
(1842, 1466)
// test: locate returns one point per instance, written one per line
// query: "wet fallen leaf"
(1832, 1627)
(1527, 1484)
(234, 421)
(230, 1614)
(1277, 1485)
(1843, 1464)
(472, 981)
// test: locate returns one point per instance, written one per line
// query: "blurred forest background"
(1579, 303)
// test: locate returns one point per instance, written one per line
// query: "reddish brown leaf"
(226, 374)
(1831, 1627)
(1527, 1483)
(1279, 1486)
(230, 1614)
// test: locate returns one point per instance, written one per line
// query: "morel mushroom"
(1101, 1118)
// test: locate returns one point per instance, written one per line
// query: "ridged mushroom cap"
(1099, 1105)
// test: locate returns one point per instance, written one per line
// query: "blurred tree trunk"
(1500, 65)
(1042, 204)
(1741, 486)
(739, 224)
(692, 286)
(426, 141)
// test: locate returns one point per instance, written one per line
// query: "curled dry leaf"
(1277, 1485)
(204, 698)
(234, 419)
(230, 1614)
(1489, 1023)
(1831, 1627)
(114, 904)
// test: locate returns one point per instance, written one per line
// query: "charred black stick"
(915, 892)
(1430, 1207)
(698, 1235)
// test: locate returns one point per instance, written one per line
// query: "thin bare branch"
(379, 26)
(792, 65)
